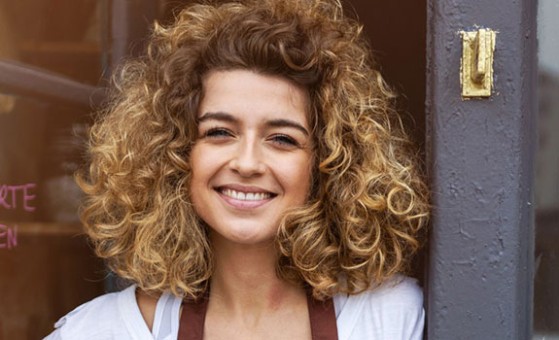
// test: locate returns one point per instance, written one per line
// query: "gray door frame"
(481, 156)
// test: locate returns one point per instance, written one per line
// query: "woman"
(252, 167)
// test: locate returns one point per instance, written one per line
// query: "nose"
(247, 160)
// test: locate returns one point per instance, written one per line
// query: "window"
(546, 285)
(51, 53)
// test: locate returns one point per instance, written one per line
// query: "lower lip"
(241, 204)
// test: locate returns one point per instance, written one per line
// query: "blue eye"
(284, 140)
(217, 133)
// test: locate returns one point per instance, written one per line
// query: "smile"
(246, 196)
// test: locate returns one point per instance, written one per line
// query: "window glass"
(47, 267)
(546, 287)
(63, 36)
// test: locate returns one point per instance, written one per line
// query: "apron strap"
(323, 318)
(193, 317)
(321, 313)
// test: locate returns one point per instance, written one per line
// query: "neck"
(245, 280)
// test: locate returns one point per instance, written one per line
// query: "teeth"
(249, 196)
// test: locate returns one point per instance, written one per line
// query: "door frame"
(481, 163)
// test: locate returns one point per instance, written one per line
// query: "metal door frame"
(481, 156)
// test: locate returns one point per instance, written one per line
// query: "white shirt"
(392, 311)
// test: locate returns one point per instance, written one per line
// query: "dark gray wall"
(481, 165)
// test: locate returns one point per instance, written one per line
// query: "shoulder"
(100, 318)
(399, 292)
(393, 310)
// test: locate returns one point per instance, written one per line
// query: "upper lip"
(244, 188)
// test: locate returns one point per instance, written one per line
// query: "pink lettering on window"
(8, 237)
(14, 196)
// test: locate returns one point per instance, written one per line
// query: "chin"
(243, 236)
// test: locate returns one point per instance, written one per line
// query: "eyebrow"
(226, 117)
(216, 116)
(288, 123)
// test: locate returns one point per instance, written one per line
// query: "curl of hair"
(368, 203)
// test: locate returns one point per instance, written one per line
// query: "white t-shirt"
(392, 311)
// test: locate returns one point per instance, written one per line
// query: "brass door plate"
(476, 71)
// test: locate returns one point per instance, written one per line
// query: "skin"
(253, 138)
(250, 164)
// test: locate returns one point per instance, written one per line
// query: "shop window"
(47, 267)
(546, 285)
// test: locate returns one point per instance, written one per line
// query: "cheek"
(298, 175)
(197, 191)
(202, 159)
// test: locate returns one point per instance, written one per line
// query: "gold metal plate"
(476, 72)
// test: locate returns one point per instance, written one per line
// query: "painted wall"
(481, 159)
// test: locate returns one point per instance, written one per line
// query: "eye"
(217, 133)
(284, 140)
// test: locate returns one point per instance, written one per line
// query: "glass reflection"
(546, 285)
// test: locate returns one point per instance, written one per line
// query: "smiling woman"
(253, 163)
(252, 180)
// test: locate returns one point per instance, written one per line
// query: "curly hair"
(368, 202)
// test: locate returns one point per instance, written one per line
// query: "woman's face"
(252, 159)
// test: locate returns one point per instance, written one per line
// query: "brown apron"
(321, 313)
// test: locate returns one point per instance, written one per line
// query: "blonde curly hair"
(368, 203)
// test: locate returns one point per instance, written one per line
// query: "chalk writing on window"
(8, 237)
(14, 197)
